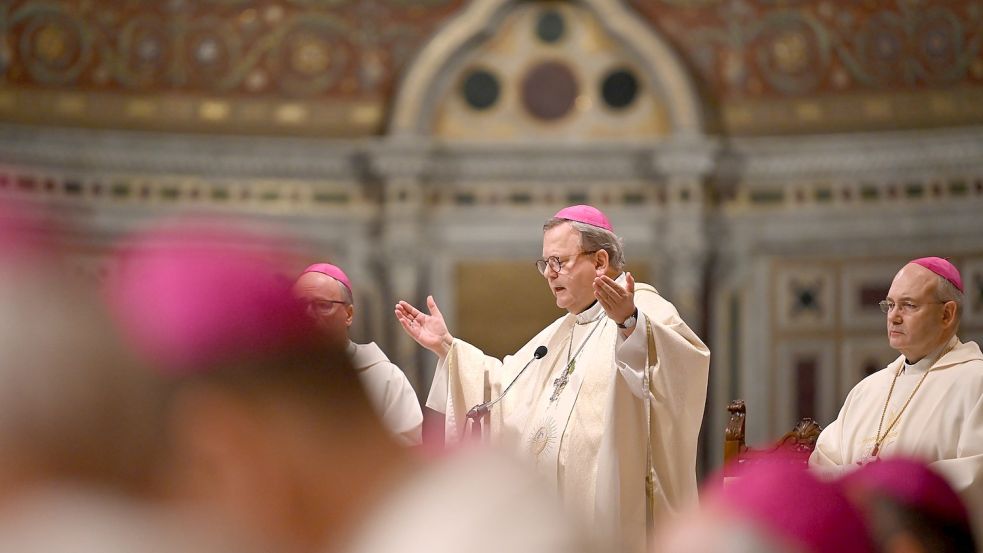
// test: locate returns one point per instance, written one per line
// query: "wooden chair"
(799, 443)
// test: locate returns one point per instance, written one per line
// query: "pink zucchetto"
(910, 483)
(783, 499)
(332, 271)
(190, 303)
(943, 268)
(587, 214)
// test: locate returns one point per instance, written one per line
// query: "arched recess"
(421, 87)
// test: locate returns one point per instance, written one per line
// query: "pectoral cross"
(560, 382)
(871, 456)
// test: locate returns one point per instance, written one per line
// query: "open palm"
(429, 331)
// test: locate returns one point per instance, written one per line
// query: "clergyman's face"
(573, 285)
(920, 332)
(321, 295)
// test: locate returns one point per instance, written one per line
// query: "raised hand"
(618, 302)
(429, 331)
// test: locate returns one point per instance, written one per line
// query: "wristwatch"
(630, 321)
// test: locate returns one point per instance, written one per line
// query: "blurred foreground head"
(911, 509)
(77, 521)
(270, 429)
(773, 506)
(74, 406)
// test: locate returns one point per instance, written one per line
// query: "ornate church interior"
(770, 164)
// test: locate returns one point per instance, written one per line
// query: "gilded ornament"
(141, 109)
(790, 51)
(256, 80)
(70, 104)
(877, 108)
(50, 43)
(248, 17)
(291, 114)
(273, 14)
(808, 111)
(213, 110)
(310, 57)
(207, 51)
(367, 114)
(148, 49)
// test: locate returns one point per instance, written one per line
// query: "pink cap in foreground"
(910, 483)
(780, 496)
(190, 307)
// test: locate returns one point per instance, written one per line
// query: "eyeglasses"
(906, 307)
(555, 264)
(323, 306)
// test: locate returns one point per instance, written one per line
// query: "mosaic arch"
(647, 63)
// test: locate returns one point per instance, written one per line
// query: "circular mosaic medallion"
(144, 53)
(938, 39)
(793, 53)
(881, 47)
(550, 27)
(313, 56)
(549, 90)
(480, 89)
(619, 88)
(54, 47)
(212, 49)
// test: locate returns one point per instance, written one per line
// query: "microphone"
(482, 409)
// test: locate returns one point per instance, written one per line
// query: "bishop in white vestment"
(611, 414)
(327, 292)
(928, 403)
(389, 391)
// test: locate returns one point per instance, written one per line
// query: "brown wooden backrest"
(800, 441)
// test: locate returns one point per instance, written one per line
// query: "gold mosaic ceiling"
(330, 67)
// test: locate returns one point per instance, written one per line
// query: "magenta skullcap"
(781, 497)
(910, 483)
(587, 214)
(190, 304)
(943, 268)
(332, 271)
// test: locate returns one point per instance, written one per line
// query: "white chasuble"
(589, 435)
(942, 425)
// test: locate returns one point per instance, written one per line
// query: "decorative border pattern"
(330, 67)
(257, 66)
(299, 48)
(266, 195)
(767, 48)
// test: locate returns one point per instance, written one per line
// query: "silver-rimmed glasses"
(906, 307)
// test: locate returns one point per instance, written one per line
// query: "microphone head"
(540, 352)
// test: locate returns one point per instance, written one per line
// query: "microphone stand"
(478, 412)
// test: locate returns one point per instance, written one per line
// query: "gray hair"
(594, 239)
(947, 291)
(346, 294)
